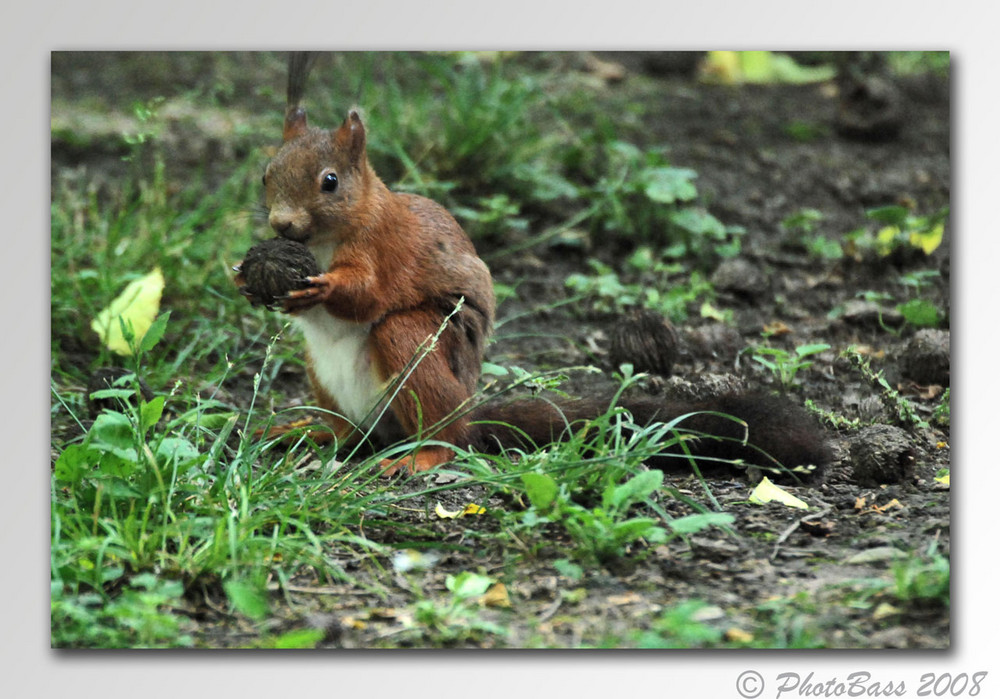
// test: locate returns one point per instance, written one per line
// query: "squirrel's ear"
(295, 123)
(351, 138)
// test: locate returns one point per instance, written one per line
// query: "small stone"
(861, 312)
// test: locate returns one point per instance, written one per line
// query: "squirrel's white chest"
(341, 363)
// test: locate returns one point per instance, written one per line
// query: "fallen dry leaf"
(766, 491)
(776, 329)
(738, 636)
(136, 306)
(470, 509)
(496, 596)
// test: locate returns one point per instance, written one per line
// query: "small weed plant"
(661, 285)
(903, 410)
(901, 230)
(785, 365)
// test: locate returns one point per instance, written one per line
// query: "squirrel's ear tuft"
(295, 123)
(351, 138)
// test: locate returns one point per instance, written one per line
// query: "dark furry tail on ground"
(768, 429)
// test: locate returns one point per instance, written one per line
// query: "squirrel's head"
(316, 180)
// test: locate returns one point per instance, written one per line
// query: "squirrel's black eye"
(329, 183)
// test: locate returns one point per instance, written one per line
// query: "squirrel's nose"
(289, 224)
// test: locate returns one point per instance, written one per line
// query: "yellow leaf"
(446, 514)
(884, 610)
(731, 67)
(776, 328)
(945, 479)
(884, 239)
(723, 66)
(137, 306)
(928, 241)
(496, 596)
(469, 509)
(766, 491)
(735, 635)
(711, 312)
(352, 623)
(893, 504)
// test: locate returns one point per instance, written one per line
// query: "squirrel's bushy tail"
(783, 431)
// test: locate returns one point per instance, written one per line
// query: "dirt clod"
(927, 358)
(882, 454)
(740, 276)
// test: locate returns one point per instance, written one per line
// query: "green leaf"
(894, 215)
(176, 449)
(116, 488)
(920, 313)
(803, 220)
(149, 413)
(75, 462)
(806, 350)
(698, 222)
(667, 185)
(540, 489)
(120, 465)
(209, 421)
(119, 393)
(300, 638)
(114, 432)
(247, 598)
(692, 524)
(786, 70)
(466, 584)
(635, 489)
(491, 369)
(155, 332)
(757, 66)
(635, 528)
(567, 568)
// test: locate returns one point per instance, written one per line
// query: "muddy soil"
(880, 501)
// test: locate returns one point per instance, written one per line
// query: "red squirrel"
(397, 266)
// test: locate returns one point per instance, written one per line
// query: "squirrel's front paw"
(317, 291)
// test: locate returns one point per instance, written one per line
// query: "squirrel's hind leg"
(429, 403)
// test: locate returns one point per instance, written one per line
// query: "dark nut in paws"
(274, 267)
